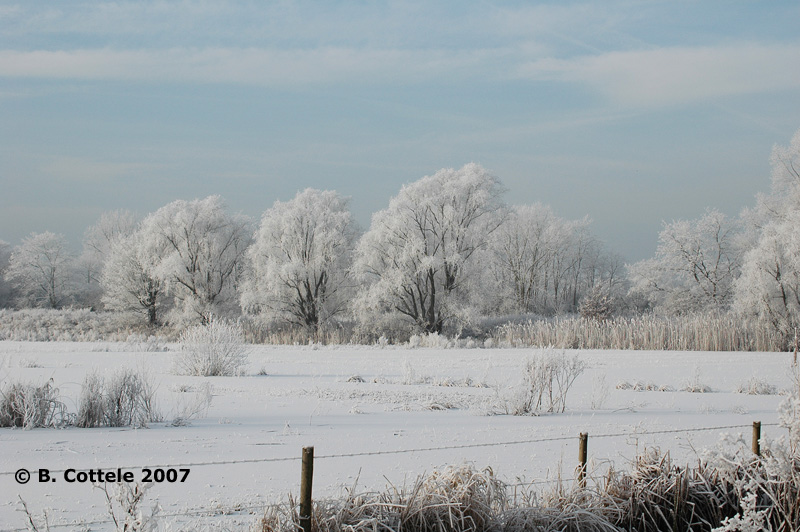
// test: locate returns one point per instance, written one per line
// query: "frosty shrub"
(767, 487)
(414, 341)
(214, 349)
(789, 410)
(434, 340)
(31, 406)
(124, 503)
(600, 391)
(695, 384)
(143, 342)
(596, 305)
(125, 399)
(195, 407)
(756, 386)
(547, 378)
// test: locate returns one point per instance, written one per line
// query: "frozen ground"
(292, 397)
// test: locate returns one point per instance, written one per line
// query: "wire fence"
(239, 509)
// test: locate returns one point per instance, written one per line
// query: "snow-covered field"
(404, 399)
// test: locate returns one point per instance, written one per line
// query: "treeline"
(445, 254)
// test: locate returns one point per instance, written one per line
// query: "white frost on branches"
(417, 255)
(41, 270)
(300, 258)
(128, 280)
(695, 266)
(769, 286)
(197, 248)
(538, 262)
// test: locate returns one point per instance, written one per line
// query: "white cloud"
(677, 75)
(252, 66)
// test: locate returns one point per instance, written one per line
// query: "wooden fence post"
(757, 438)
(582, 454)
(307, 475)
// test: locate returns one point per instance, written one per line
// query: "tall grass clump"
(701, 332)
(450, 500)
(657, 495)
(212, 349)
(124, 399)
(547, 379)
(654, 496)
(31, 406)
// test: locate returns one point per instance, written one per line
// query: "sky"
(634, 113)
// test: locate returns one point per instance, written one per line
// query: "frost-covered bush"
(695, 384)
(767, 486)
(31, 406)
(414, 341)
(547, 379)
(789, 410)
(147, 343)
(195, 406)
(597, 305)
(124, 399)
(434, 340)
(214, 349)
(756, 386)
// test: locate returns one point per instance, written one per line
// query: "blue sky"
(631, 112)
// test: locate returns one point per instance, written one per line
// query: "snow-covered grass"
(250, 429)
(79, 325)
(701, 332)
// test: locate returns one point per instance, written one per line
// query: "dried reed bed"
(258, 331)
(708, 332)
(655, 495)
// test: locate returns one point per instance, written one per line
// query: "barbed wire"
(263, 507)
(423, 449)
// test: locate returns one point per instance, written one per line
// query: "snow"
(307, 397)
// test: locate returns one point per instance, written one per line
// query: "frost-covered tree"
(100, 237)
(695, 265)
(41, 271)
(300, 259)
(416, 258)
(769, 286)
(5, 286)
(539, 262)
(197, 248)
(522, 249)
(97, 243)
(128, 281)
